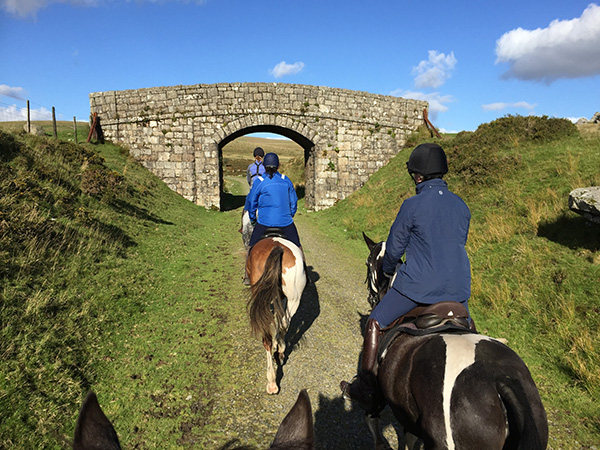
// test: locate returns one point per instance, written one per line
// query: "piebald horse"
(275, 267)
(94, 431)
(453, 389)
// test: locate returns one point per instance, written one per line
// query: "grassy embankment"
(111, 281)
(108, 281)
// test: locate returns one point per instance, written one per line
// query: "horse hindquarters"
(465, 392)
(496, 404)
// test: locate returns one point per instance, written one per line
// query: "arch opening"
(295, 152)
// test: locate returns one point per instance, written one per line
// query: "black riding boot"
(363, 388)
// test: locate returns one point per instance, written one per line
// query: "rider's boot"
(363, 388)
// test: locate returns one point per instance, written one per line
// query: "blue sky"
(474, 61)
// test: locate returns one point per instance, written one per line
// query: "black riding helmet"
(428, 160)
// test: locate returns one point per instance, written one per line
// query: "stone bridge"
(178, 132)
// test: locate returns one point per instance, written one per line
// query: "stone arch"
(300, 133)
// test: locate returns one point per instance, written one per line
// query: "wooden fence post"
(54, 121)
(75, 128)
(28, 118)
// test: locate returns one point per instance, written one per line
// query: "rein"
(377, 283)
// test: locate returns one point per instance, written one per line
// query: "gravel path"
(324, 342)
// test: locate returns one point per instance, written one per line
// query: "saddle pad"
(410, 328)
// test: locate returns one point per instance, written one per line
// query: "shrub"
(480, 157)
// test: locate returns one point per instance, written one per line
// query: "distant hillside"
(238, 154)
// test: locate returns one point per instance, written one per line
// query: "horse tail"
(524, 431)
(266, 301)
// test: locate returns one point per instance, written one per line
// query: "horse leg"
(280, 347)
(375, 428)
(272, 387)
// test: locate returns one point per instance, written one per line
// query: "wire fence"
(34, 112)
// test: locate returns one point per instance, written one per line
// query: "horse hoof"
(272, 389)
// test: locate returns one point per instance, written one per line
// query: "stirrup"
(345, 387)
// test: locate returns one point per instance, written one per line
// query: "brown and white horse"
(275, 267)
(94, 431)
(455, 390)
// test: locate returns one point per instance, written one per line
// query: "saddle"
(273, 232)
(440, 317)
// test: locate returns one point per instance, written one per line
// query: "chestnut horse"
(455, 389)
(95, 431)
(275, 267)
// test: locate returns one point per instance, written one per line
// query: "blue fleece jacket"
(272, 201)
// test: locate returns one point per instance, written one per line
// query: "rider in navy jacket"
(430, 231)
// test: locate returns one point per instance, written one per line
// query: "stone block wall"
(177, 132)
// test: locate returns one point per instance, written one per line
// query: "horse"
(275, 267)
(95, 431)
(454, 389)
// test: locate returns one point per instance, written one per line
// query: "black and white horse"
(455, 389)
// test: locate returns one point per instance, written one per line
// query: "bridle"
(377, 283)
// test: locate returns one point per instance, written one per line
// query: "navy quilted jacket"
(431, 228)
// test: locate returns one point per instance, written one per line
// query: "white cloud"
(283, 69)
(499, 106)
(565, 49)
(29, 8)
(13, 92)
(437, 101)
(434, 72)
(14, 113)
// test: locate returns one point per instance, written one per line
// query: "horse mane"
(267, 293)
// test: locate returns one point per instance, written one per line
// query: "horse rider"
(272, 202)
(256, 167)
(431, 230)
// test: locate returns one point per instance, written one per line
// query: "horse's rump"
(478, 393)
(268, 262)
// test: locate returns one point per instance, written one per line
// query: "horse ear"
(296, 430)
(369, 242)
(93, 429)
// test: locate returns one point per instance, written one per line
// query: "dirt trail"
(325, 341)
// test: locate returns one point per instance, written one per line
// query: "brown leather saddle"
(440, 317)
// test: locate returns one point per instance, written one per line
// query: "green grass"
(111, 281)
(112, 286)
(64, 130)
